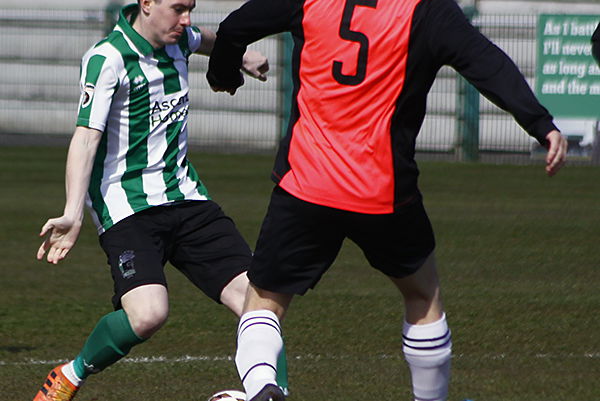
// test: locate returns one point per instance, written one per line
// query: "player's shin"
(111, 340)
(259, 346)
(427, 349)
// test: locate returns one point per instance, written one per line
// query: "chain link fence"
(40, 51)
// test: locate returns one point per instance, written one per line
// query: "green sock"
(282, 371)
(111, 340)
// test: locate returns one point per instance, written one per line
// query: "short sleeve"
(98, 84)
(194, 38)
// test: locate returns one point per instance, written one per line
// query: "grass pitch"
(518, 258)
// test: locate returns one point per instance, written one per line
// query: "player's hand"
(216, 88)
(255, 64)
(557, 152)
(61, 234)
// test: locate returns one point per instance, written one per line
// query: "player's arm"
(62, 232)
(207, 42)
(253, 21)
(596, 44)
(254, 63)
(457, 43)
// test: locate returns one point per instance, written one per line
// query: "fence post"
(468, 112)
(286, 85)
(596, 144)
(111, 15)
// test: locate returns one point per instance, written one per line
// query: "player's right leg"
(260, 343)
(233, 296)
(298, 241)
(145, 310)
(214, 256)
(140, 301)
(147, 307)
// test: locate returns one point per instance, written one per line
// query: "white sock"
(428, 349)
(258, 346)
(69, 371)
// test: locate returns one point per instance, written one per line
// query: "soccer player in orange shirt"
(361, 71)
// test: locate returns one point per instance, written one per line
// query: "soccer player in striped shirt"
(127, 160)
(362, 70)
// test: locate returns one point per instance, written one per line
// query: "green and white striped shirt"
(138, 97)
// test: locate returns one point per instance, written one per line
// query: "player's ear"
(145, 6)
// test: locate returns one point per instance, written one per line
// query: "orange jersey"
(362, 70)
(340, 151)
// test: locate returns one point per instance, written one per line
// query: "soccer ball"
(228, 395)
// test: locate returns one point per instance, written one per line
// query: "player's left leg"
(426, 338)
(401, 246)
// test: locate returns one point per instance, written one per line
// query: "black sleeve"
(251, 22)
(596, 44)
(457, 43)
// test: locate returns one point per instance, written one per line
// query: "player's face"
(167, 19)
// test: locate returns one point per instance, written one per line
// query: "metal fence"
(40, 53)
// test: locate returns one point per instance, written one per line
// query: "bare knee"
(148, 321)
(147, 308)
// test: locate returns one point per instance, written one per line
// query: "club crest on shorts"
(126, 264)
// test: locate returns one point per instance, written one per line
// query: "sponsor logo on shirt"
(168, 111)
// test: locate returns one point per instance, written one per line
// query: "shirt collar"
(138, 40)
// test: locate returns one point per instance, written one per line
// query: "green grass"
(518, 255)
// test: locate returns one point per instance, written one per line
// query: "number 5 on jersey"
(353, 36)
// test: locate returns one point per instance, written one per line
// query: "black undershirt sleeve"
(253, 21)
(457, 43)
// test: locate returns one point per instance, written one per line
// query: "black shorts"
(299, 241)
(196, 237)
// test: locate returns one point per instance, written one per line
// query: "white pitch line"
(314, 357)
(142, 359)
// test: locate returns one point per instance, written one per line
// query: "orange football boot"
(56, 387)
